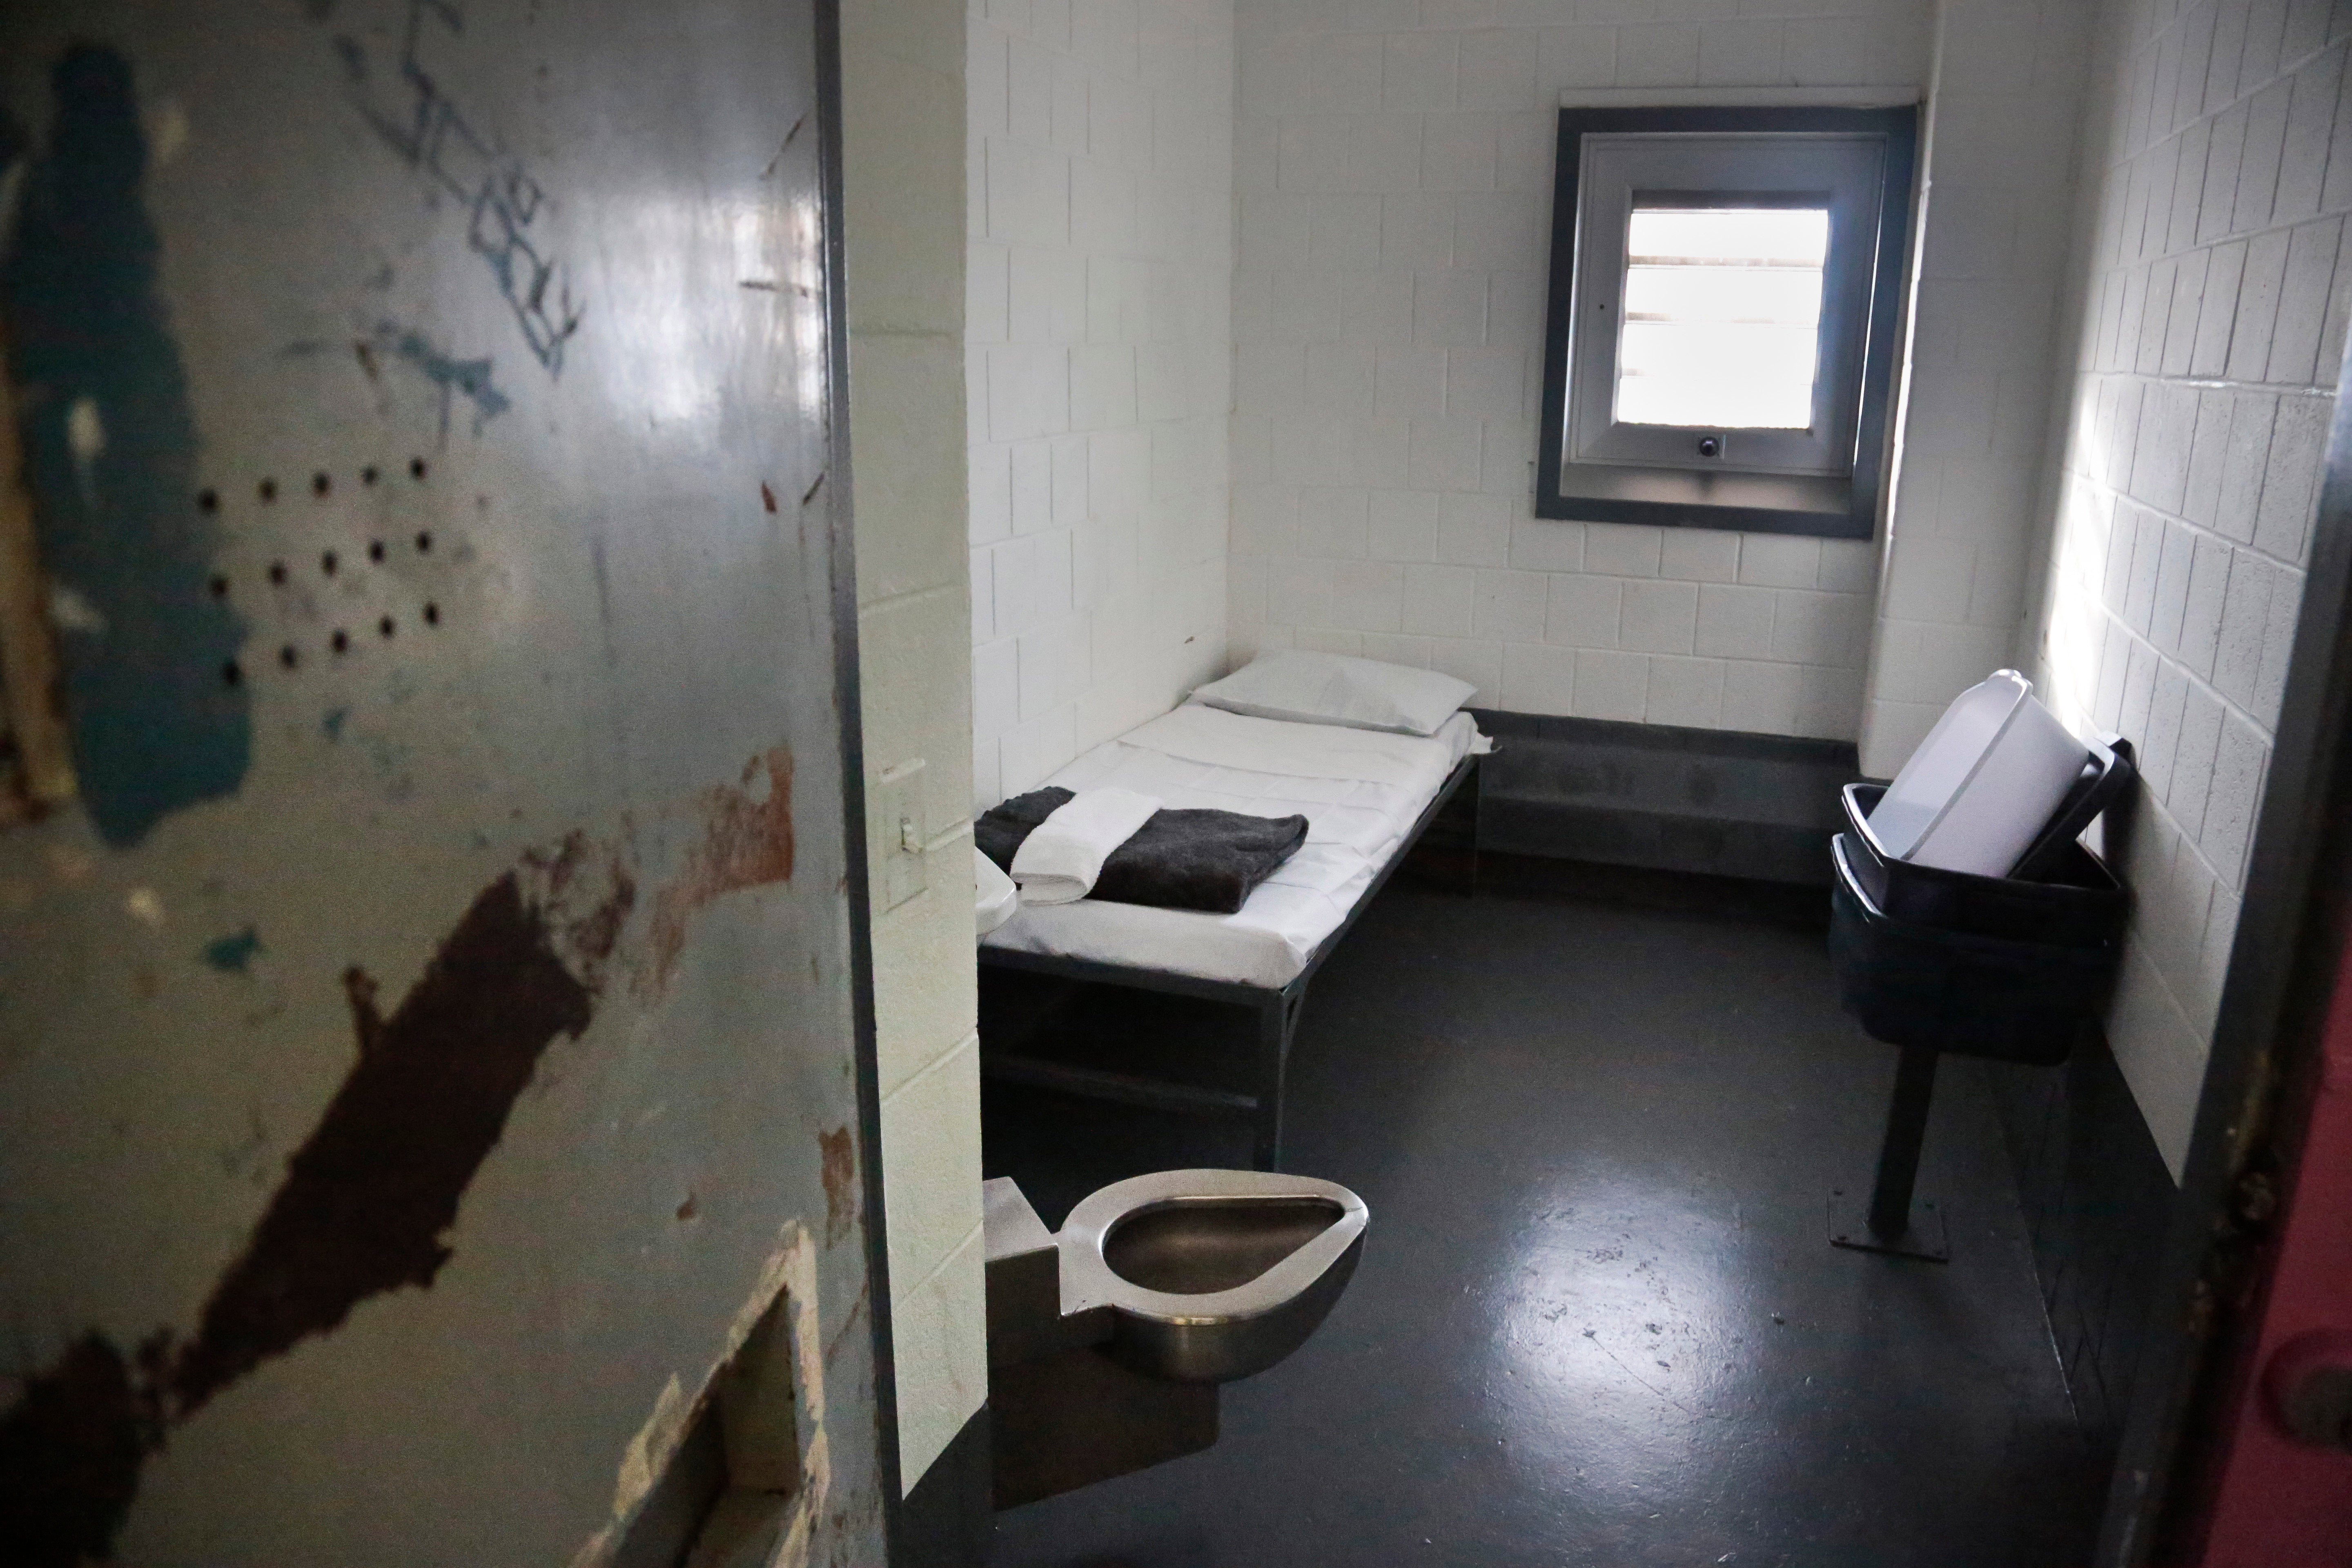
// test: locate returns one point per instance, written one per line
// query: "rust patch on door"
(362, 1211)
(70, 1449)
(840, 1151)
(367, 1198)
(584, 892)
(746, 842)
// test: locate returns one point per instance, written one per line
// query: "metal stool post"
(1889, 1223)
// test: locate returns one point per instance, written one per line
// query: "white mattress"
(1360, 790)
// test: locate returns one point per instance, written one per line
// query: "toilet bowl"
(1209, 1276)
(1107, 1341)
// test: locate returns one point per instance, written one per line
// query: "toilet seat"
(1212, 1336)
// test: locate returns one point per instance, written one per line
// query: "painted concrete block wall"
(2214, 292)
(1393, 167)
(902, 69)
(1997, 217)
(1099, 332)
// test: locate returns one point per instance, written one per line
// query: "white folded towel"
(1059, 862)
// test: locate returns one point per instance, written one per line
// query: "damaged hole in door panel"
(724, 1495)
(682, 1499)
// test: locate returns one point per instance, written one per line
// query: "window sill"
(1682, 498)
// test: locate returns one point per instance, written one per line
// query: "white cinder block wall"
(2214, 288)
(1100, 325)
(1393, 163)
(1985, 352)
(902, 89)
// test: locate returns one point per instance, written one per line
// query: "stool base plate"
(1925, 1238)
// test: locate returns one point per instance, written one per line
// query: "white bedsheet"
(1360, 790)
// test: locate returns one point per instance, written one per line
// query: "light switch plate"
(900, 832)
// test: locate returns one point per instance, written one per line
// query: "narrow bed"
(1366, 796)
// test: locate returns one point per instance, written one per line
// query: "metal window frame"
(1622, 176)
(1762, 502)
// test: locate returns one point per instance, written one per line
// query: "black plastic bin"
(2075, 901)
(1967, 991)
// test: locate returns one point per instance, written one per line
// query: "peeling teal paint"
(451, 377)
(160, 722)
(230, 954)
(468, 377)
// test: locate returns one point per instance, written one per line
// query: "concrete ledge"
(1719, 802)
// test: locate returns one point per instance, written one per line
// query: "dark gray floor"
(1597, 1320)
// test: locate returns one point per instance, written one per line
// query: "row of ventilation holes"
(289, 657)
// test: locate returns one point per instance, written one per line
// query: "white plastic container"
(1983, 783)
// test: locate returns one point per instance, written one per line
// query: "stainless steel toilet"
(1106, 1340)
(1209, 1276)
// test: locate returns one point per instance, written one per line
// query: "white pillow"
(1328, 688)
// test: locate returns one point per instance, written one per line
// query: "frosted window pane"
(1722, 317)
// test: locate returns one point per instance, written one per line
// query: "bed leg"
(1275, 1019)
(1476, 795)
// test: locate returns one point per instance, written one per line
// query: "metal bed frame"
(1277, 1010)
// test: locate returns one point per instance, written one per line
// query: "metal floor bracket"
(1926, 1237)
(1888, 1220)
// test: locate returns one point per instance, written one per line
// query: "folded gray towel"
(1181, 859)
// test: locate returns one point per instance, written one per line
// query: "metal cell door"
(433, 1124)
(2282, 1491)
